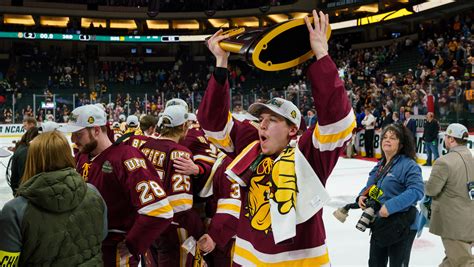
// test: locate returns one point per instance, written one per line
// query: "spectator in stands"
(369, 125)
(381, 120)
(469, 95)
(396, 118)
(410, 123)
(310, 118)
(388, 118)
(430, 137)
(443, 103)
(360, 115)
(28, 112)
(8, 115)
(402, 113)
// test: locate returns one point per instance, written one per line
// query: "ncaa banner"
(11, 130)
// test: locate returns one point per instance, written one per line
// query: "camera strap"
(465, 166)
(382, 171)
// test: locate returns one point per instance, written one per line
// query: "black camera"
(368, 216)
(470, 190)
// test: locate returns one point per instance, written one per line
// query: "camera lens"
(365, 219)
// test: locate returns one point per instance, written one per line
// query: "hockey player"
(132, 124)
(204, 153)
(123, 123)
(173, 163)
(147, 130)
(223, 208)
(116, 130)
(138, 209)
(282, 181)
(148, 125)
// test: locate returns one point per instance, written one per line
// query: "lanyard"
(465, 165)
(382, 171)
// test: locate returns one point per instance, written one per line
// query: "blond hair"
(47, 152)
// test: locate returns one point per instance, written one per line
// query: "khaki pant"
(458, 253)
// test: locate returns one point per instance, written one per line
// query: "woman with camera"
(394, 187)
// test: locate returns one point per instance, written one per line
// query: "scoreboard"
(344, 3)
(103, 38)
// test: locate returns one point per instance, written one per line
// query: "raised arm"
(323, 143)
(214, 116)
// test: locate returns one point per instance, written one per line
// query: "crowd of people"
(193, 5)
(210, 189)
(441, 83)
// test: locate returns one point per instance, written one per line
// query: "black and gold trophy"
(279, 47)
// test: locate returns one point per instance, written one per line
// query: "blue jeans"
(431, 147)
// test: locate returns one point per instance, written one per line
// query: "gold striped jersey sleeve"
(334, 135)
(222, 139)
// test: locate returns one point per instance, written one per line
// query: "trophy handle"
(229, 46)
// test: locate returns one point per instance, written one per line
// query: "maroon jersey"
(136, 140)
(320, 146)
(223, 207)
(117, 133)
(136, 202)
(204, 155)
(162, 153)
(197, 143)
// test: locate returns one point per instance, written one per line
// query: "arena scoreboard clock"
(103, 38)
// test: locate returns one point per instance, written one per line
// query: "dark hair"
(27, 137)
(30, 120)
(148, 121)
(407, 144)
(462, 141)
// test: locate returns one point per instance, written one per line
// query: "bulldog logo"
(258, 198)
(259, 205)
